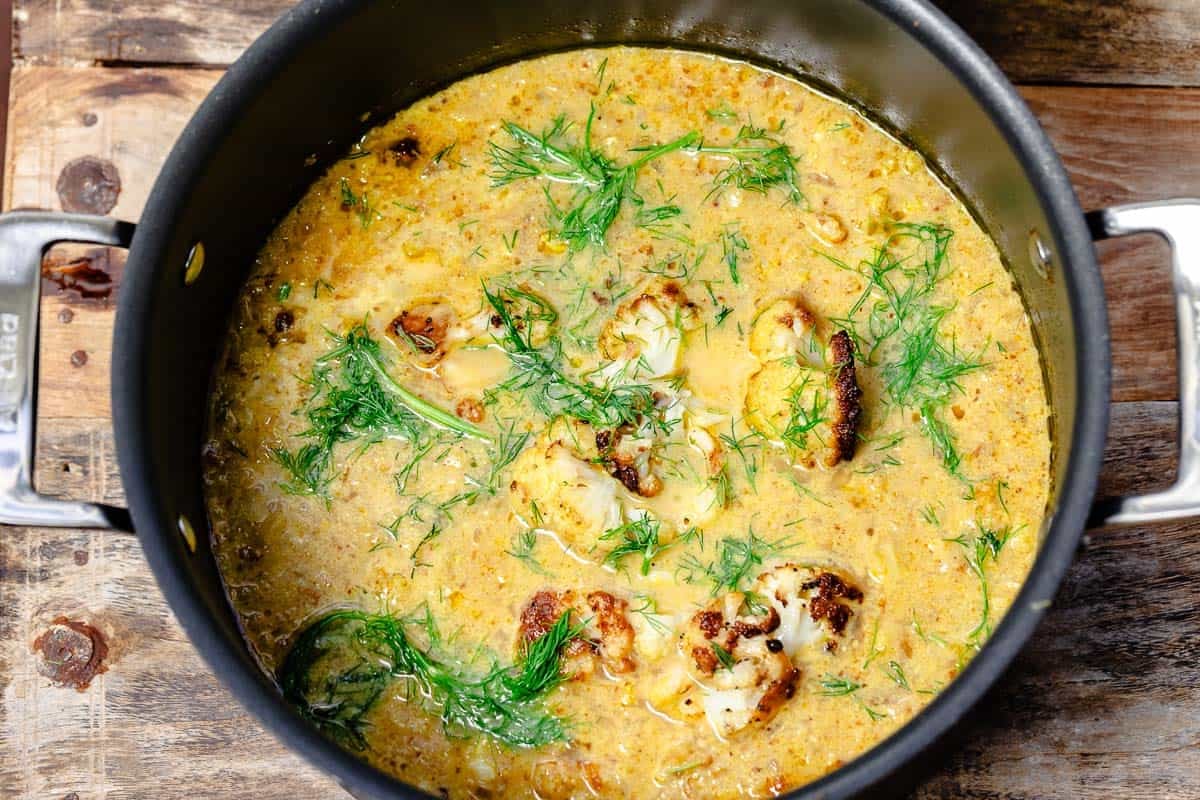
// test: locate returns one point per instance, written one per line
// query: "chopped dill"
(983, 547)
(510, 243)
(285, 291)
(732, 245)
(759, 163)
(746, 449)
(873, 651)
(807, 403)
(736, 560)
(841, 126)
(647, 608)
(835, 686)
(722, 112)
(896, 672)
(929, 514)
(896, 324)
(722, 314)
(524, 545)
(341, 664)
(538, 373)
(639, 537)
(320, 284)
(359, 401)
(600, 185)
(444, 154)
(357, 203)
(723, 656)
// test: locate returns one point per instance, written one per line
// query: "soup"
(624, 423)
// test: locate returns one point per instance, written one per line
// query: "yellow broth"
(930, 527)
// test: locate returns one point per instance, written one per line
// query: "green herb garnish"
(896, 325)
(355, 399)
(836, 686)
(732, 245)
(342, 664)
(640, 537)
(539, 375)
(601, 185)
(985, 546)
(758, 163)
(736, 560)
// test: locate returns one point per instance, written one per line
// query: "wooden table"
(1104, 703)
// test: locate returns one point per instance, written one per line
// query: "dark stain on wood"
(88, 278)
(72, 653)
(136, 82)
(89, 185)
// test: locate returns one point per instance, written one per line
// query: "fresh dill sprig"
(896, 672)
(539, 375)
(359, 401)
(285, 291)
(896, 325)
(736, 560)
(733, 244)
(978, 550)
(723, 656)
(837, 686)
(746, 449)
(807, 403)
(759, 162)
(357, 203)
(639, 537)
(647, 608)
(524, 547)
(601, 185)
(342, 663)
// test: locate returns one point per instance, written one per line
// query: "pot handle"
(1178, 222)
(24, 238)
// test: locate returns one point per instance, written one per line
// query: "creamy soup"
(624, 423)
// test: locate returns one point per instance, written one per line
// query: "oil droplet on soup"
(618, 413)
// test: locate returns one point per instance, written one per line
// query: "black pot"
(296, 100)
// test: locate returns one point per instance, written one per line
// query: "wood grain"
(1104, 703)
(1144, 42)
(1147, 42)
(198, 33)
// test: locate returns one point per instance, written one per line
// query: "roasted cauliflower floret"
(739, 649)
(607, 638)
(428, 330)
(743, 670)
(784, 329)
(805, 396)
(644, 336)
(813, 605)
(555, 490)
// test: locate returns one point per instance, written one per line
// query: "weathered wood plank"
(1144, 42)
(125, 121)
(186, 32)
(1147, 42)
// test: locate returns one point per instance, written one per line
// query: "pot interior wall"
(318, 82)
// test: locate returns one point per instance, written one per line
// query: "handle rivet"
(188, 532)
(1039, 254)
(194, 263)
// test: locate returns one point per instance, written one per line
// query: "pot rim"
(252, 73)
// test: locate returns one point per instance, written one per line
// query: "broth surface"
(568, 342)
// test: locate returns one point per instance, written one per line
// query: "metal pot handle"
(1178, 222)
(24, 238)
